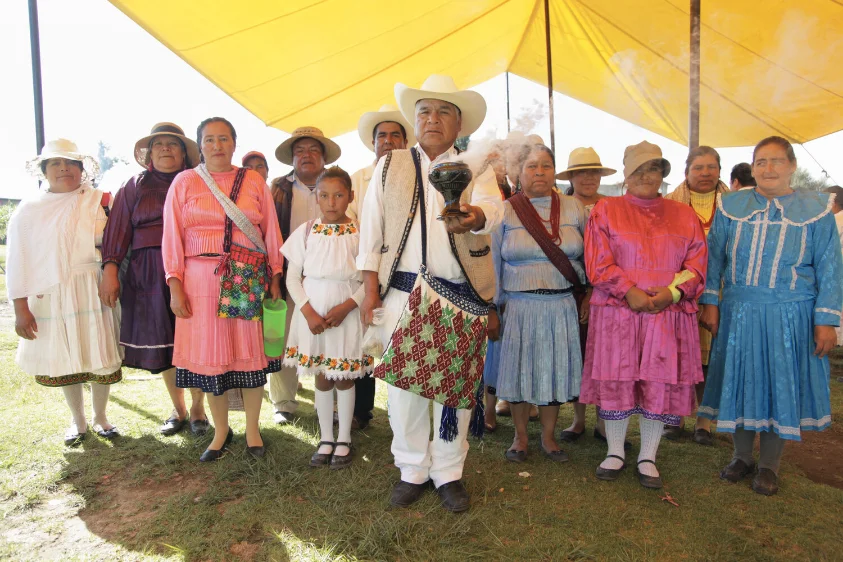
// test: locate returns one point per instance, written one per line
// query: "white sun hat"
(370, 120)
(62, 148)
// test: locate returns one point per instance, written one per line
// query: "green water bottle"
(274, 327)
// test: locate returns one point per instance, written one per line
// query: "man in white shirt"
(390, 258)
(307, 151)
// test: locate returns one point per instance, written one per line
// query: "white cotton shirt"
(440, 260)
(305, 206)
(359, 185)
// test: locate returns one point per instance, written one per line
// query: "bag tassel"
(478, 419)
(222, 266)
(448, 428)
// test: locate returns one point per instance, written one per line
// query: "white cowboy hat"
(142, 146)
(368, 122)
(62, 148)
(439, 87)
(284, 152)
(584, 159)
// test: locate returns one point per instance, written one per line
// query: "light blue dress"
(537, 358)
(780, 266)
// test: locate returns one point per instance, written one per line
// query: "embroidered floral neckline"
(334, 229)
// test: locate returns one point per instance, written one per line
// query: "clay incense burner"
(450, 179)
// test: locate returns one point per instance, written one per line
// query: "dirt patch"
(245, 550)
(819, 455)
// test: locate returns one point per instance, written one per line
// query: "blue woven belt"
(404, 281)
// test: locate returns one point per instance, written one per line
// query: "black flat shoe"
(556, 456)
(216, 454)
(454, 496)
(610, 474)
(199, 427)
(600, 437)
(765, 482)
(172, 426)
(340, 462)
(736, 471)
(405, 494)
(322, 459)
(74, 439)
(257, 451)
(108, 433)
(570, 436)
(703, 437)
(651, 482)
(515, 456)
(673, 432)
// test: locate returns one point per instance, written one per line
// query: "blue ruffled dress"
(780, 265)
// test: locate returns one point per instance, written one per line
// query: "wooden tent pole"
(549, 75)
(694, 86)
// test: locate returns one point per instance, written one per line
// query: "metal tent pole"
(694, 86)
(35, 47)
(508, 124)
(549, 75)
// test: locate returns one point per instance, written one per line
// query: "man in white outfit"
(391, 255)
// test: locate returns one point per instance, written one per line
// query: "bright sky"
(104, 78)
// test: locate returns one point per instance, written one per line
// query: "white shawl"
(41, 237)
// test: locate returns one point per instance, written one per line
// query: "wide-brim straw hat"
(191, 148)
(63, 148)
(584, 158)
(637, 154)
(439, 87)
(284, 152)
(387, 113)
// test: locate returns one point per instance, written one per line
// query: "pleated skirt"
(538, 356)
(763, 374)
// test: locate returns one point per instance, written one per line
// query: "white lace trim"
(329, 374)
(777, 258)
(808, 423)
(146, 346)
(735, 251)
(753, 249)
(799, 260)
(761, 252)
(828, 311)
(711, 292)
(748, 218)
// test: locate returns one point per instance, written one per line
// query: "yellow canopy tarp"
(769, 67)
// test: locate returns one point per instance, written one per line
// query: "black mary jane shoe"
(570, 436)
(736, 471)
(216, 454)
(109, 434)
(74, 439)
(513, 455)
(600, 437)
(610, 474)
(339, 462)
(651, 482)
(172, 426)
(322, 459)
(257, 451)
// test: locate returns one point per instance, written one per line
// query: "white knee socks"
(74, 395)
(615, 436)
(345, 412)
(324, 403)
(99, 396)
(651, 434)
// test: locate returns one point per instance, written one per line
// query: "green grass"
(146, 497)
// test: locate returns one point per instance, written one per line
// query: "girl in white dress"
(68, 337)
(326, 332)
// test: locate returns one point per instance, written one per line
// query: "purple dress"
(137, 223)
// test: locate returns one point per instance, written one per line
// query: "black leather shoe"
(216, 454)
(515, 456)
(405, 494)
(600, 437)
(108, 433)
(736, 470)
(172, 426)
(672, 432)
(73, 439)
(556, 456)
(570, 436)
(322, 459)
(765, 482)
(257, 451)
(703, 437)
(340, 462)
(610, 474)
(199, 427)
(652, 482)
(454, 496)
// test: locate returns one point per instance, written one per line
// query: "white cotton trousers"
(417, 456)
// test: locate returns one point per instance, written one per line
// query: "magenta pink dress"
(638, 362)
(213, 353)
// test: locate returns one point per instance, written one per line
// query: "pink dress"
(213, 353)
(638, 362)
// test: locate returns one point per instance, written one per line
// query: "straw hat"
(254, 154)
(62, 148)
(637, 154)
(284, 152)
(439, 87)
(368, 122)
(584, 159)
(165, 128)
